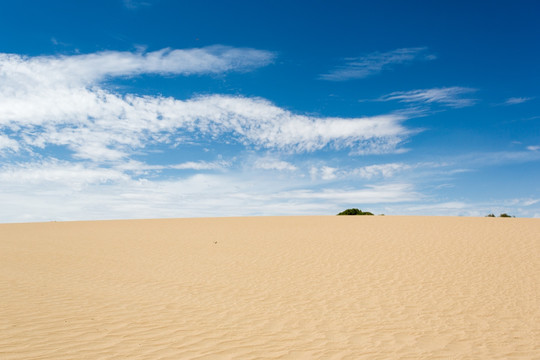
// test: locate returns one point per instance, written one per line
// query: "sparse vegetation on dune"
(503, 215)
(355, 211)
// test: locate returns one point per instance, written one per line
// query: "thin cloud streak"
(380, 170)
(274, 164)
(517, 100)
(90, 69)
(139, 167)
(374, 63)
(371, 194)
(447, 96)
(137, 4)
(73, 175)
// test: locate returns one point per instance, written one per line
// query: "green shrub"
(505, 215)
(355, 211)
(490, 215)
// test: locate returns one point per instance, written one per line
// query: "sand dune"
(271, 288)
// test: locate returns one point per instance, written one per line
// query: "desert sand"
(314, 287)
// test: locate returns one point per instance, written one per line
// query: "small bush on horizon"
(490, 215)
(355, 211)
(505, 215)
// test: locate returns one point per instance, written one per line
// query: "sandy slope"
(271, 287)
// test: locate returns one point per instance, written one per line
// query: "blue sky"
(158, 108)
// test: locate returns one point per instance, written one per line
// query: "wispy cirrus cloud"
(516, 100)
(138, 167)
(380, 170)
(447, 96)
(62, 101)
(137, 4)
(371, 194)
(200, 165)
(102, 126)
(373, 63)
(324, 172)
(59, 172)
(21, 73)
(368, 172)
(268, 163)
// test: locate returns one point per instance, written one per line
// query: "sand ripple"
(271, 288)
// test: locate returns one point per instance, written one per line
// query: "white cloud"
(199, 165)
(517, 100)
(60, 101)
(523, 202)
(328, 173)
(70, 175)
(137, 4)
(324, 173)
(448, 96)
(498, 158)
(529, 202)
(103, 126)
(139, 167)
(531, 148)
(67, 101)
(366, 172)
(523, 207)
(313, 172)
(449, 208)
(451, 205)
(371, 194)
(20, 74)
(380, 170)
(364, 66)
(84, 191)
(274, 164)
(6, 143)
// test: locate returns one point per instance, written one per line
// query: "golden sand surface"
(314, 287)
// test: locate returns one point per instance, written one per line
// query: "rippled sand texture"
(271, 288)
